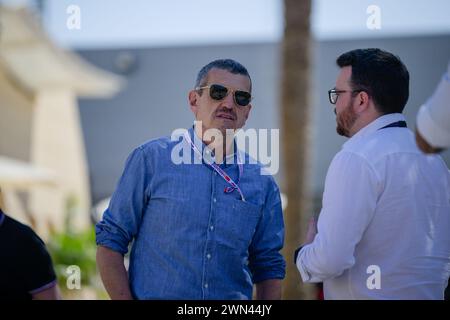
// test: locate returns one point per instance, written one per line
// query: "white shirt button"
(211, 228)
(214, 200)
(208, 256)
(206, 285)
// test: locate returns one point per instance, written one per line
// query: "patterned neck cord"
(233, 185)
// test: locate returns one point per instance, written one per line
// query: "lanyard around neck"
(398, 124)
(216, 168)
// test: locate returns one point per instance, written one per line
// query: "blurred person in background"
(433, 124)
(433, 119)
(26, 269)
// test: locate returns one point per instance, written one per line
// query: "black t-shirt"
(25, 265)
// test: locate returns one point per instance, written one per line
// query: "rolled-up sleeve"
(121, 220)
(265, 259)
(349, 202)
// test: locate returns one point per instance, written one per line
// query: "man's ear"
(362, 101)
(193, 101)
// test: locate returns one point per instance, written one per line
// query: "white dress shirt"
(384, 227)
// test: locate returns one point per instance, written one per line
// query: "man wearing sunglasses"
(383, 228)
(210, 229)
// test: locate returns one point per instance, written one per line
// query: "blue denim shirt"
(192, 240)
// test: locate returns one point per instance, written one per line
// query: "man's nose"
(228, 101)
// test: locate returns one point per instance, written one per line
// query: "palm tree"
(295, 117)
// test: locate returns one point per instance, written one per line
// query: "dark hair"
(223, 64)
(381, 74)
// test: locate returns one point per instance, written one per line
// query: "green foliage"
(74, 248)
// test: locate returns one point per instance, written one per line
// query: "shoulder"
(154, 150)
(351, 164)
(20, 230)
(383, 143)
(29, 264)
(347, 158)
(24, 238)
(160, 144)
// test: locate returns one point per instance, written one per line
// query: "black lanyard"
(398, 124)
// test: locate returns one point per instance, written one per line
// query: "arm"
(113, 273)
(310, 235)
(424, 145)
(51, 293)
(120, 224)
(349, 202)
(265, 260)
(41, 284)
(268, 290)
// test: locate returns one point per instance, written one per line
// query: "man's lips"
(225, 116)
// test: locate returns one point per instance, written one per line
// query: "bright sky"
(122, 23)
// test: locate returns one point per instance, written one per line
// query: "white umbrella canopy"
(19, 174)
(37, 63)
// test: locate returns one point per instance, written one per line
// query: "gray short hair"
(229, 65)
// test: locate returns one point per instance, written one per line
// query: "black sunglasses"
(219, 92)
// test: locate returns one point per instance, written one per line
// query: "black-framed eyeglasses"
(333, 94)
(219, 92)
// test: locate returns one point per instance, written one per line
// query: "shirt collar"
(375, 125)
(229, 159)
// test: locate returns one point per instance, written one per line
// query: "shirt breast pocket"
(239, 220)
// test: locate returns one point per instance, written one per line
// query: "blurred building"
(43, 168)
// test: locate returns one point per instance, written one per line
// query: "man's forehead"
(225, 77)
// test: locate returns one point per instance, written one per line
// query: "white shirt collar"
(375, 125)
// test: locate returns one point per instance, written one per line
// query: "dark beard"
(345, 121)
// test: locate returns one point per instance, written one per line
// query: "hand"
(424, 145)
(311, 232)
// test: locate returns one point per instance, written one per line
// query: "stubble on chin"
(345, 122)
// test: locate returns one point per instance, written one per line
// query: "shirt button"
(215, 173)
(206, 285)
(208, 256)
(214, 200)
(211, 228)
